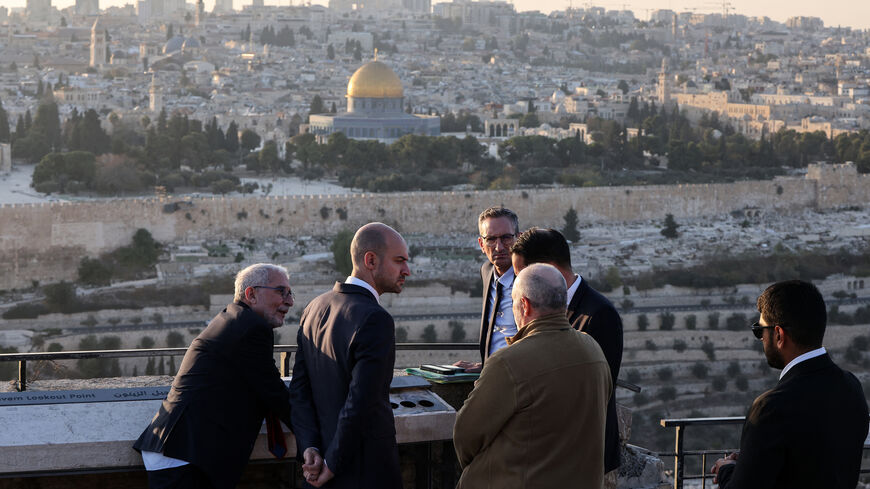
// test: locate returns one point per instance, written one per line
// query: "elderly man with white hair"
(535, 418)
(204, 431)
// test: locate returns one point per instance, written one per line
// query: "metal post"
(22, 375)
(678, 458)
(704, 470)
(285, 364)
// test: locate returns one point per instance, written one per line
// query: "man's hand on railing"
(730, 459)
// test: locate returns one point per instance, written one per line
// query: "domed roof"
(375, 80)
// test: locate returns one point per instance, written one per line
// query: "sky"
(852, 13)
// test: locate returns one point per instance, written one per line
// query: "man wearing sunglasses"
(227, 383)
(809, 430)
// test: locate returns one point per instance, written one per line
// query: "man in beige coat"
(535, 418)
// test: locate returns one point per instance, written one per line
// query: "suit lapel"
(574, 312)
(488, 275)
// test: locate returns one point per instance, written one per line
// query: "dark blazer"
(591, 313)
(340, 388)
(487, 275)
(806, 433)
(225, 386)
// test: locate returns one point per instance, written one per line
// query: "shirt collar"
(362, 283)
(507, 278)
(573, 289)
(800, 358)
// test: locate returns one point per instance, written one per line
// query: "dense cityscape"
(150, 151)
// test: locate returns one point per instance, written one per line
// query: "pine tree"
(232, 137)
(4, 125)
(570, 230)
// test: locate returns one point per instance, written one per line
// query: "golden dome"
(375, 80)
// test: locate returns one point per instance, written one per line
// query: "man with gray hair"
(535, 418)
(227, 383)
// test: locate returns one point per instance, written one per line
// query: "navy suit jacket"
(225, 386)
(340, 388)
(806, 433)
(591, 313)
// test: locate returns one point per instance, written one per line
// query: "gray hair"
(544, 287)
(256, 274)
(496, 212)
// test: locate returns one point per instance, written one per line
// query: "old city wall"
(45, 242)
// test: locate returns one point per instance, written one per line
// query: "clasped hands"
(314, 469)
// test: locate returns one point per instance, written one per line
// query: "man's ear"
(250, 295)
(480, 243)
(780, 337)
(370, 259)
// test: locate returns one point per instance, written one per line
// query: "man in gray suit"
(344, 365)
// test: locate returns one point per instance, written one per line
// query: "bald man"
(513, 431)
(342, 417)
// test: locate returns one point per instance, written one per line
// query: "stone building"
(375, 109)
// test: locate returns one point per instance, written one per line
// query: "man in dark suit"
(498, 228)
(588, 311)
(809, 430)
(204, 432)
(344, 366)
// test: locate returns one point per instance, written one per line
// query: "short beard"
(774, 358)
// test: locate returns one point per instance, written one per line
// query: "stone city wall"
(44, 242)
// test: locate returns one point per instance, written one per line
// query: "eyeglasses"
(505, 239)
(285, 293)
(758, 329)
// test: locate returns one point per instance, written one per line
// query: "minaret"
(155, 95)
(98, 45)
(664, 90)
(199, 15)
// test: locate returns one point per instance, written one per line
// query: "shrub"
(93, 271)
(457, 331)
(429, 334)
(700, 370)
(666, 321)
(146, 342)
(642, 322)
(736, 322)
(174, 339)
(713, 320)
(650, 345)
(60, 297)
(341, 251)
(54, 346)
(690, 321)
(733, 368)
(742, 383)
(640, 399)
(709, 349)
(668, 393)
(665, 373)
(25, 311)
(401, 335)
(679, 346)
(632, 375)
(719, 383)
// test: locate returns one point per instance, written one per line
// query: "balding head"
(539, 290)
(380, 256)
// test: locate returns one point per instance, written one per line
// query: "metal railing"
(679, 454)
(285, 350)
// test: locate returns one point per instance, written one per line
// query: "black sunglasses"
(758, 329)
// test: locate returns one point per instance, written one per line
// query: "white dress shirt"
(800, 358)
(362, 283)
(573, 288)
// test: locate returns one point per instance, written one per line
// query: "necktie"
(275, 436)
(494, 313)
